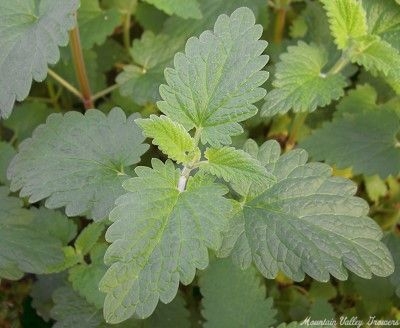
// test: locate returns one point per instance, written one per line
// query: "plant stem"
(65, 83)
(53, 95)
(80, 68)
(279, 25)
(127, 24)
(298, 122)
(339, 65)
(104, 92)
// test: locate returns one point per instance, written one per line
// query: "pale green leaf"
(172, 138)
(216, 81)
(30, 240)
(235, 166)
(7, 152)
(30, 33)
(308, 222)
(234, 298)
(184, 9)
(26, 117)
(88, 237)
(357, 141)
(375, 187)
(347, 20)
(383, 19)
(392, 240)
(96, 24)
(159, 237)
(85, 278)
(300, 82)
(78, 161)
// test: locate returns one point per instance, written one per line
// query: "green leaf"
(321, 309)
(235, 165)
(151, 54)
(78, 161)
(30, 240)
(172, 138)
(392, 241)
(88, 237)
(217, 79)
(234, 298)
(96, 24)
(357, 141)
(308, 222)
(347, 20)
(7, 152)
(375, 187)
(174, 229)
(300, 83)
(184, 9)
(26, 117)
(30, 33)
(85, 278)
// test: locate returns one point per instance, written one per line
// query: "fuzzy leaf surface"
(78, 161)
(214, 84)
(30, 240)
(308, 222)
(300, 83)
(347, 20)
(184, 9)
(234, 298)
(159, 237)
(356, 140)
(170, 137)
(7, 152)
(30, 34)
(234, 165)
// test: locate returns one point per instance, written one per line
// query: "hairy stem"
(297, 124)
(80, 67)
(339, 65)
(280, 19)
(104, 92)
(65, 84)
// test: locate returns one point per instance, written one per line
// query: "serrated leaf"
(96, 24)
(170, 137)
(357, 141)
(235, 166)
(26, 117)
(30, 34)
(174, 229)
(300, 83)
(78, 161)
(85, 278)
(234, 298)
(218, 78)
(151, 54)
(184, 9)
(88, 237)
(7, 152)
(392, 241)
(30, 240)
(307, 223)
(347, 20)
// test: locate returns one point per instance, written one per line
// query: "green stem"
(339, 65)
(297, 124)
(104, 92)
(279, 25)
(65, 83)
(53, 95)
(80, 68)
(128, 23)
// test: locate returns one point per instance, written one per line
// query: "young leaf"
(347, 20)
(95, 24)
(7, 152)
(159, 237)
(30, 240)
(307, 223)
(78, 161)
(392, 240)
(300, 83)
(234, 165)
(172, 138)
(218, 78)
(357, 141)
(30, 33)
(184, 9)
(234, 298)
(88, 237)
